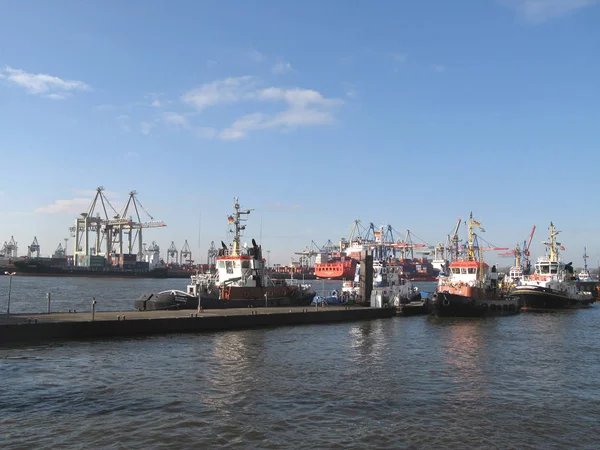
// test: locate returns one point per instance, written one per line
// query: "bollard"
(93, 307)
(48, 298)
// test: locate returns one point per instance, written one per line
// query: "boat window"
(245, 264)
(545, 268)
(456, 270)
(472, 270)
(229, 266)
(554, 268)
(221, 264)
(463, 270)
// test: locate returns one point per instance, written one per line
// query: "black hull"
(418, 308)
(41, 270)
(180, 300)
(452, 305)
(548, 299)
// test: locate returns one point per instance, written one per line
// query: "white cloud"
(255, 56)
(73, 206)
(304, 107)
(173, 118)
(229, 90)
(156, 103)
(41, 84)
(539, 11)
(146, 128)
(282, 67)
(438, 68)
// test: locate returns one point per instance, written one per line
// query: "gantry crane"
(172, 253)
(33, 248)
(109, 226)
(185, 254)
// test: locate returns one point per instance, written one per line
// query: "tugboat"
(471, 288)
(240, 281)
(553, 284)
(386, 276)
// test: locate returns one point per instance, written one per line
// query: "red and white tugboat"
(240, 281)
(471, 288)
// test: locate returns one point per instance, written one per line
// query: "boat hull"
(33, 268)
(446, 304)
(415, 308)
(239, 297)
(540, 298)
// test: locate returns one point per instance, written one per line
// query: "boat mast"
(517, 256)
(237, 219)
(552, 243)
(470, 248)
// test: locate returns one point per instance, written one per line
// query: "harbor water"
(523, 381)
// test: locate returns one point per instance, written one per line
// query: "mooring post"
(48, 296)
(93, 307)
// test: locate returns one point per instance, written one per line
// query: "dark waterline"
(526, 381)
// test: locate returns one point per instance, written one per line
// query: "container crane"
(185, 255)
(213, 252)
(172, 253)
(33, 248)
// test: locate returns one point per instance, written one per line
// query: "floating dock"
(42, 328)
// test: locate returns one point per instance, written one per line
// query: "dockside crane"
(134, 225)
(10, 248)
(522, 255)
(213, 252)
(34, 248)
(185, 254)
(92, 223)
(172, 253)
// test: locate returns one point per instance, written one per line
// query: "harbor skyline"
(312, 114)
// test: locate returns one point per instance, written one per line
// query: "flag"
(377, 233)
(230, 219)
(477, 224)
(562, 248)
(481, 229)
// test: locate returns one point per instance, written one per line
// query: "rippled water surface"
(525, 381)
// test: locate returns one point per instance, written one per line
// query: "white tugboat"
(471, 288)
(553, 283)
(240, 280)
(387, 281)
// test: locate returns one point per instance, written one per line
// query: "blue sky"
(314, 113)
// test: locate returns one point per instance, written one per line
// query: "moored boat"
(553, 285)
(239, 280)
(471, 288)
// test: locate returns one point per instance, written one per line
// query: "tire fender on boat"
(445, 302)
(484, 305)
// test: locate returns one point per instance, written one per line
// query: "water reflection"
(368, 341)
(465, 354)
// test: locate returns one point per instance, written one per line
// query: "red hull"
(336, 270)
